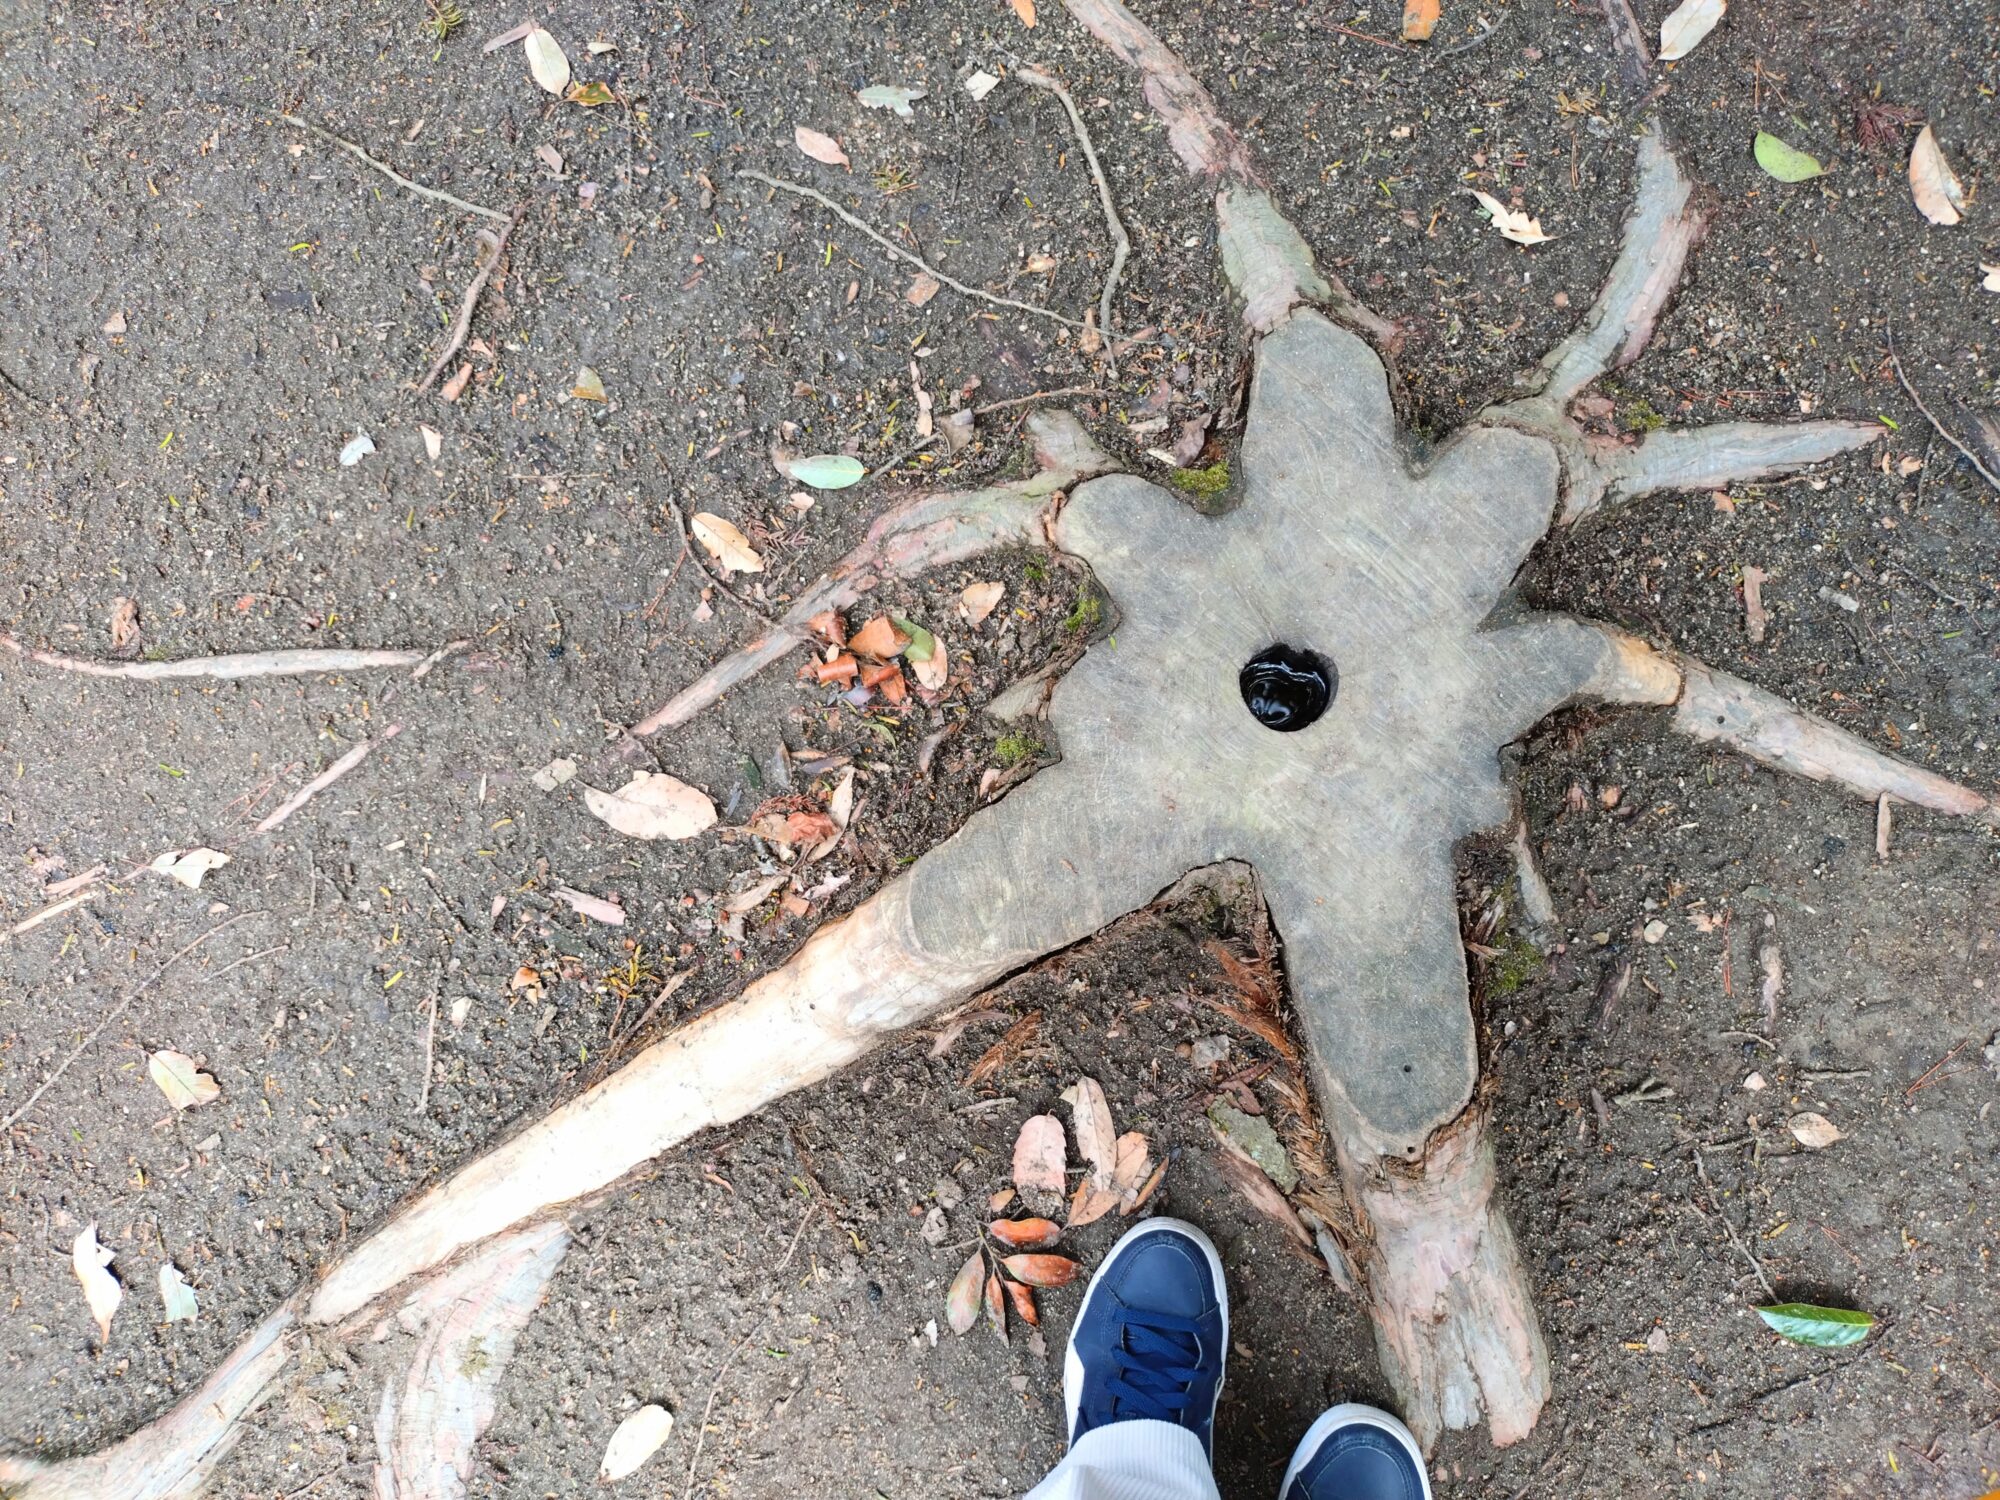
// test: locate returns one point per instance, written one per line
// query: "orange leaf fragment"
(1025, 9)
(996, 1310)
(1023, 1298)
(1420, 18)
(1042, 1270)
(840, 669)
(879, 638)
(1025, 1234)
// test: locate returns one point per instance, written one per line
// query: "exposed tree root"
(1454, 1322)
(1266, 260)
(928, 532)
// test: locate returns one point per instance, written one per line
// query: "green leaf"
(922, 642)
(1819, 1327)
(1786, 163)
(827, 471)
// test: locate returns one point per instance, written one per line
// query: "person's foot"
(1356, 1452)
(1151, 1335)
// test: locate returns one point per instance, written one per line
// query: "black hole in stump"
(1286, 689)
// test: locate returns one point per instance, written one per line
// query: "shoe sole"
(1073, 1367)
(1351, 1414)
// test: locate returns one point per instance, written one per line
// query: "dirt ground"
(200, 305)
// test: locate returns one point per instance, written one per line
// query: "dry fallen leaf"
(1095, 1137)
(726, 544)
(547, 61)
(453, 388)
(1040, 1155)
(879, 638)
(188, 868)
(925, 287)
(1042, 1270)
(1260, 1192)
(124, 622)
(980, 600)
(1025, 9)
(1022, 1297)
(755, 896)
(979, 83)
(1513, 224)
(1939, 194)
(595, 907)
(652, 805)
(996, 1309)
(1691, 21)
(931, 671)
(1025, 1234)
(637, 1439)
(821, 148)
(588, 387)
(433, 440)
(1992, 281)
(551, 158)
(1420, 18)
(176, 1296)
(184, 1084)
(1135, 1161)
(100, 1288)
(961, 1303)
(1814, 1131)
(1755, 620)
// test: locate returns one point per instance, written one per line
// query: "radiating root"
(1661, 229)
(1715, 706)
(236, 666)
(1454, 1319)
(1703, 458)
(1267, 261)
(172, 1458)
(430, 1419)
(928, 532)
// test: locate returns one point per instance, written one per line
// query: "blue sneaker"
(1152, 1333)
(1356, 1452)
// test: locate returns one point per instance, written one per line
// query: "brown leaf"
(1755, 620)
(1145, 1192)
(879, 638)
(124, 622)
(1261, 1193)
(1025, 1234)
(1040, 1155)
(1089, 1203)
(979, 600)
(1095, 1137)
(821, 148)
(652, 805)
(1420, 18)
(1023, 1298)
(453, 388)
(996, 1310)
(1939, 195)
(1134, 1160)
(1813, 1131)
(925, 287)
(728, 546)
(1025, 9)
(809, 828)
(961, 1303)
(1042, 1270)
(181, 1080)
(829, 627)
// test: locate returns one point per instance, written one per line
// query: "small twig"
(1120, 241)
(436, 195)
(1747, 1036)
(48, 913)
(248, 958)
(687, 541)
(236, 665)
(391, 173)
(325, 779)
(430, 1051)
(1478, 41)
(1929, 1073)
(715, 1386)
(1362, 36)
(1729, 1229)
(462, 324)
(118, 1010)
(1930, 416)
(900, 253)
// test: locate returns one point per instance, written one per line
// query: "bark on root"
(1454, 1319)
(930, 531)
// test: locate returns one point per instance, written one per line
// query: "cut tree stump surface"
(1341, 548)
